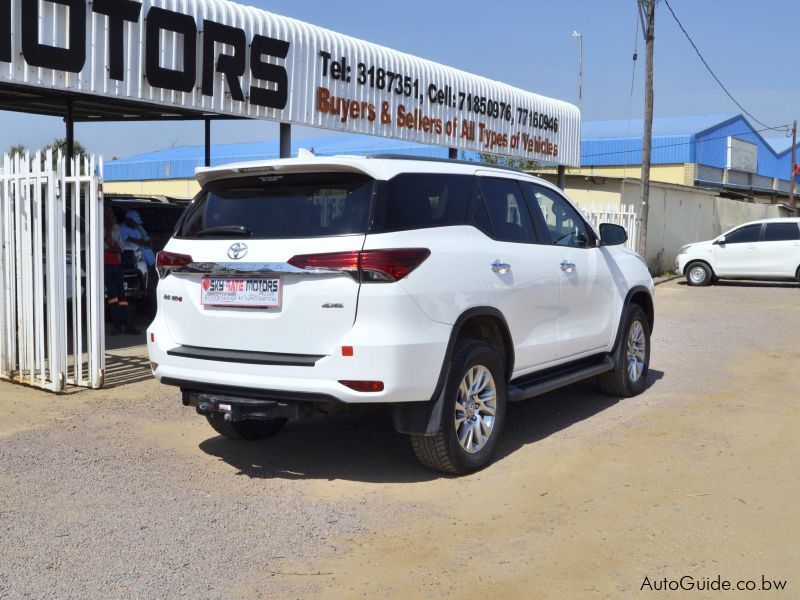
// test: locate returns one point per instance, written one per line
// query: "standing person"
(134, 236)
(112, 267)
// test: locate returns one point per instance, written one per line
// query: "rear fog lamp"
(363, 386)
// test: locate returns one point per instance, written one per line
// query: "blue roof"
(695, 139)
(780, 144)
(698, 139)
(180, 162)
(662, 126)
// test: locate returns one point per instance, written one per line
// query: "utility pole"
(792, 202)
(579, 36)
(647, 14)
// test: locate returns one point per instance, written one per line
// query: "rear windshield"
(282, 206)
(422, 200)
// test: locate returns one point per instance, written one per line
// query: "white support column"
(6, 265)
(55, 277)
(95, 280)
(40, 181)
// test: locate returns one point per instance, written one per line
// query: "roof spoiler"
(305, 162)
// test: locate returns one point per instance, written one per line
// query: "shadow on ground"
(124, 370)
(751, 284)
(118, 342)
(366, 448)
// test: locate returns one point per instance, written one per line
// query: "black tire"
(620, 381)
(699, 274)
(245, 430)
(443, 451)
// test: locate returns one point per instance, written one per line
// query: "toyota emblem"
(237, 251)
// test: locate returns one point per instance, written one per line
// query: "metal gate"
(51, 271)
(624, 215)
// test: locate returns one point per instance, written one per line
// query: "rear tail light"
(363, 386)
(367, 265)
(168, 261)
(391, 265)
(337, 261)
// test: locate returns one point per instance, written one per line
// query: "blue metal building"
(724, 151)
(714, 150)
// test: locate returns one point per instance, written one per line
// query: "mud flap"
(419, 418)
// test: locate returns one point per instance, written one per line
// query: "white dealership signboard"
(220, 57)
(742, 156)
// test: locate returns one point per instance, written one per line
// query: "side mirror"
(720, 240)
(612, 235)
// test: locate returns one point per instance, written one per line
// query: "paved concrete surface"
(124, 493)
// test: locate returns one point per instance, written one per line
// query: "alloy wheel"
(476, 408)
(636, 351)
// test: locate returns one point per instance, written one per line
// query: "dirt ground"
(124, 493)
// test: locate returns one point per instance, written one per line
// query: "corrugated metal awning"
(88, 108)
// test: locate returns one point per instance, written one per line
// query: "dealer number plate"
(253, 293)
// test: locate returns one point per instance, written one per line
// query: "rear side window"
(509, 214)
(780, 232)
(422, 200)
(282, 206)
(744, 235)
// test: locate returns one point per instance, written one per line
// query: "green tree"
(17, 149)
(61, 144)
(521, 164)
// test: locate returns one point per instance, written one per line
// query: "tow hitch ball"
(205, 409)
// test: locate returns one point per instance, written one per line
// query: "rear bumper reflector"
(363, 386)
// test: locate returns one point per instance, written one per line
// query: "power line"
(722, 137)
(710, 70)
(635, 54)
(633, 81)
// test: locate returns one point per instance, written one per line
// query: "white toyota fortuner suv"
(442, 289)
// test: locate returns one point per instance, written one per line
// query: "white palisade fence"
(624, 214)
(51, 271)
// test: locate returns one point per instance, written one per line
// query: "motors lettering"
(241, 285)
(273, 92)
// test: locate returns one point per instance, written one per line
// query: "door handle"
(567, 267)
(501, 267)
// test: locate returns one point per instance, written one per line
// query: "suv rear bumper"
(408, 369)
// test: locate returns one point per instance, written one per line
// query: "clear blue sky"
(751, 45)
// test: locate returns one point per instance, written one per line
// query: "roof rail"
(474, 163)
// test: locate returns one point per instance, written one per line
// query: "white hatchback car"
(441, 289)
(767, 249)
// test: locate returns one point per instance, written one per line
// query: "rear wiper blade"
(235, 230)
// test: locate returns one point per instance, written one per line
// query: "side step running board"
(536, 387)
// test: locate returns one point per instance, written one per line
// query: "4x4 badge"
(237, 251)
